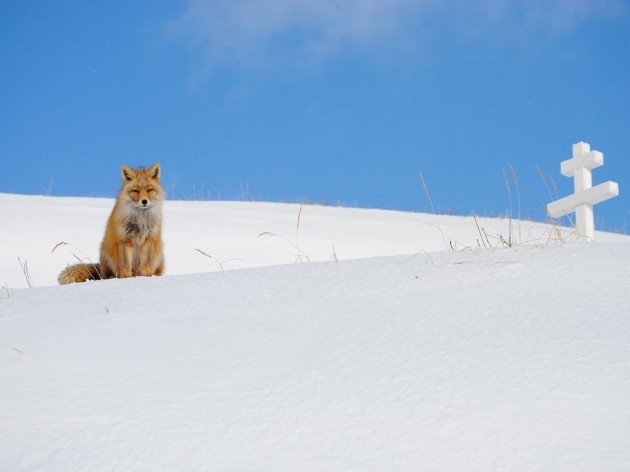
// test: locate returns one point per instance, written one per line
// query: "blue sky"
(329, 101)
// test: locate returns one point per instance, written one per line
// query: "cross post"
(583, 180)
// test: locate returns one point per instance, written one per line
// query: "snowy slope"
(229, 232)
(480, 359)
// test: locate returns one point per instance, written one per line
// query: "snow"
(401, 356)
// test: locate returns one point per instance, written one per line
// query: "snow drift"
(476, 359)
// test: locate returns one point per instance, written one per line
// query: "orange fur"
(132, 245)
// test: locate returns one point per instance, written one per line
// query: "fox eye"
(150, 190)
(135, 191)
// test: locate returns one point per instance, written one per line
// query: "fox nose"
(144, 202)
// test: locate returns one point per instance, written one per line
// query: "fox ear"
(127, 173)
(155, 171)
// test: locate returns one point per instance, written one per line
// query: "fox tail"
(79, 273)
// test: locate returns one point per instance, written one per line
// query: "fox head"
(141, 186)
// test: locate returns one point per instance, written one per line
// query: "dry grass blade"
(554, 226)
(8, 291)
(297, 227)
(25, 271)
(217, 260)
(82, 260)
(300, 253)
(333, 257)
(213, 258)
(553, 184)
(544, 180)
(89, 263)
(300, 256)
(509, 190)
(487, 238)
(429, 258)
(518, 199)
(274, 235)
(479, 230)
(62, 243)
(428, 194)
(551, 219)
(568, 217)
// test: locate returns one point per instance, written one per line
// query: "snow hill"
(383, 351)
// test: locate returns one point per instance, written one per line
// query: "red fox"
(132, 245)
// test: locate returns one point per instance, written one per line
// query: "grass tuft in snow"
(6, 292)
(333, 257)
(300, 256)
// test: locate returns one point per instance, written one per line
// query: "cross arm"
(590, 160)
(590, 196)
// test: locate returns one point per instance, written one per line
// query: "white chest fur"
(140, 223)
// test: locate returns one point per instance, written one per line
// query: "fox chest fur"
(139, 224)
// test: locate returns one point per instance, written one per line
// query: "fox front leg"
(148, 258)
(125, 261)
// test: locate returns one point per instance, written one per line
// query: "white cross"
(581, 202)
